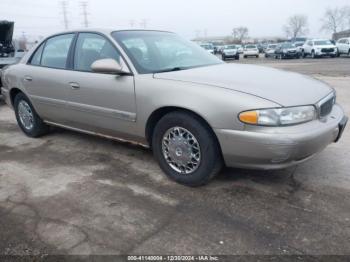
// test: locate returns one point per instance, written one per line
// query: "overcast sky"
(186, 17)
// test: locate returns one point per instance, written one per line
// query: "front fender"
(218, 106)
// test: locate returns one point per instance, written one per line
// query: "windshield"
(323, 42)
(230, 47)
(288, 45)
(154, 52)
(207, 47)
(272, 46)
(250, 47)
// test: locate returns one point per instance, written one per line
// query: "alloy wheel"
(25, 114)
(181, 150)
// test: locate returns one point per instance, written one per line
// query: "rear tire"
(176, 139)
(27, 118)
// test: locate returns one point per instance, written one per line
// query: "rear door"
(97, 102)
(44, 78)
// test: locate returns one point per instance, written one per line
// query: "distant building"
(342, 34)
(213, 39)
(230, 39)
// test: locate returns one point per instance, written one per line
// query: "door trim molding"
(96, 134)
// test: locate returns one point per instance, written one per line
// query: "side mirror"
(109, 66)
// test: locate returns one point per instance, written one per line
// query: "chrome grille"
(326, 105)
(327, 50)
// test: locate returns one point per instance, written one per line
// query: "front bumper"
(320, 53)
(280, 147)
(250, 53)
(230, 55)
(291, 55)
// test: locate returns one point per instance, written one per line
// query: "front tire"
(313, 54)
(27, 118)
(186, 149)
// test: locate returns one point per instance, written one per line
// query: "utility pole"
(143, 23)
(84, 6)
(64, 5)
(132, 23)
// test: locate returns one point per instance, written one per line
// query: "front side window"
(154, 52)
(56, 50)
(91, 47)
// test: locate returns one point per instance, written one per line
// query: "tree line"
(334, 20)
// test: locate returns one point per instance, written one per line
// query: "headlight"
(279, 116)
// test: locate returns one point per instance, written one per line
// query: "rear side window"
(36, 58)
(91, 47)
(56, 51)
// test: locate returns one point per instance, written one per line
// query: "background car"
(343, 46)
(229, 52)
(240, 49)
(299, 47)
(10, 51)
(319, 48)
(260, 48)
(209, 47)
(270, 50)
(286, 50)
(250, 50)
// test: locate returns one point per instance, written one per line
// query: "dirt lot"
(69, 193)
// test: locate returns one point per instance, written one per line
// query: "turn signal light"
(249, 117)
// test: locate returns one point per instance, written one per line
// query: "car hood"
(6, 31)
(325, 46)
(281, 87)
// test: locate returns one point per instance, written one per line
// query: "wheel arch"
(13, 93)
(156, 115)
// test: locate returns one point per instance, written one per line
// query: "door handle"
(74, 85)
(28, 78)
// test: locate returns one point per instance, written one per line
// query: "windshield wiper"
(173, 69)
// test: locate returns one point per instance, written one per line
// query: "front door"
(102, 103)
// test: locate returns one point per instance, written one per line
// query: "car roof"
(107, 31)
(320, 39)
